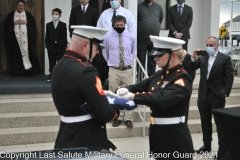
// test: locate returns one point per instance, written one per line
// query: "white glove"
(127, 96)
(122, 91)
(110, 93)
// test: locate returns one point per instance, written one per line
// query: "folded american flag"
(117, 103)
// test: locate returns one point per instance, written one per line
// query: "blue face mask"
(210, 50)
(114, 4)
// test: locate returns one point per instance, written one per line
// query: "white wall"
(65, 6)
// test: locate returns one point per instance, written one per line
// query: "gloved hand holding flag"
(115, 102)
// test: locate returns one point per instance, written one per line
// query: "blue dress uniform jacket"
(74, 82)
(167, 93)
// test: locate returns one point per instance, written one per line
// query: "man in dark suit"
(179, 21)
(216, 79)
(99, 62)
(187, 66)
(55, 39)
(84, 14)
(101, 5)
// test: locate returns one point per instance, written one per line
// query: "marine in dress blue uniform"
(167, 93)
(74, 82)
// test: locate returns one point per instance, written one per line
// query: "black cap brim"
(159, 51)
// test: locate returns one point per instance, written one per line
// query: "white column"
(131, 5)
(49, 5)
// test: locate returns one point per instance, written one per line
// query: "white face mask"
(55, 17)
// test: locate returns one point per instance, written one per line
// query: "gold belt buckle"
(152, 120)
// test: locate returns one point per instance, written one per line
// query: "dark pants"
(54, 55)
(144, 46)
(185, 45)
(205, 109)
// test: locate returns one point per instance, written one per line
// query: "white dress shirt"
(85, 7)
(105, 20)
(211, 60)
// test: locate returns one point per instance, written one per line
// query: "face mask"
(114, 4)
(119, 30)
(180, 1)
(55, 17)
(147, 1)
(210, 50)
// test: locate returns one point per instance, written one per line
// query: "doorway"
(36, 8)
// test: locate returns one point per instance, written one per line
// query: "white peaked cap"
(166, 43)
(89, 31)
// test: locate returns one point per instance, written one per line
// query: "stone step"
(234, 98)
(47, 134)
(234, 90)
(37, 119)
(44, 103)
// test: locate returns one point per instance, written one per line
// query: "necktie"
(114, 14)
(179, 10)
(83, 10)
(100, 5)
(55, 24)
(121, 65)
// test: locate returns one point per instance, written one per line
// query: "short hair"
(117, 19)
(57, 10)
(20, 1)
(215, 38)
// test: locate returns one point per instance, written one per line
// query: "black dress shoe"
(116, 123)
(129, 124)
(204, 149)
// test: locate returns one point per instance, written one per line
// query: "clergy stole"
(22, 38)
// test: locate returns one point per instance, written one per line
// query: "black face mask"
(119, 30)
(180, 1)
(148, 1)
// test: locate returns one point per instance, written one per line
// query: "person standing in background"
(105, 21)
(84, 14)
(55, 39)
(216, 79)
(119, 48)
(21, 38)
(99, 62)
(179, 21)
(149, 19)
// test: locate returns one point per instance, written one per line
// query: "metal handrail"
(140, 77)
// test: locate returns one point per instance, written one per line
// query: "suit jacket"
(77, 17)
(186, 63)
(58, 35)
(220, 79)
(106, 4)
(180, 24)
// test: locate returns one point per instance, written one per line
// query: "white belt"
(76, 118)
(172, 120)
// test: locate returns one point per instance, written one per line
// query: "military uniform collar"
(74, 55)
(172, 70)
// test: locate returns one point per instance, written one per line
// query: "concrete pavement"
(133, 148)
(137, 148)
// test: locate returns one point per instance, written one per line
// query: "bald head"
(81, 46)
